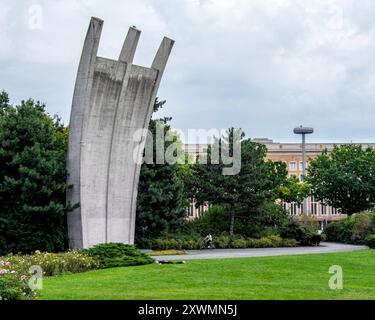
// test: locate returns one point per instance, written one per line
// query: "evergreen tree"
(162, 200)
(241, 193)
(32, 178)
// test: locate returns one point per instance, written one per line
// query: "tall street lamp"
(303, 131)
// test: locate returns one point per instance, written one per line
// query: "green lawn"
(285, 277)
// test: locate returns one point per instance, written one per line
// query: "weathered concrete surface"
(112, 100)
(325, 247)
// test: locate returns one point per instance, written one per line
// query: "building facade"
(291, 154)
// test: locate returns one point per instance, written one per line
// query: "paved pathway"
(325, 247)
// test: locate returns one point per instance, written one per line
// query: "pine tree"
(162, 200)
(32, 178)
(245, 191)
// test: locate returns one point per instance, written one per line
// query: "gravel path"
(325, 247)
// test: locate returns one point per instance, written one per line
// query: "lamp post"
(303, 131)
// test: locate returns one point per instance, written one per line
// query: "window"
(292, 166)
(200, 210)
(190, 211)
(293, 208)
(301, 165)
(323, 209)
(283, 205)
(313, 206)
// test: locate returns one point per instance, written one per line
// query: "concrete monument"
(112, 100)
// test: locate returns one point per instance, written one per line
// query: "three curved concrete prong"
(112, 101)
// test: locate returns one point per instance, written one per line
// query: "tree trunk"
(231, 221)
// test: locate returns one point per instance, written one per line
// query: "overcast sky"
(263, 65)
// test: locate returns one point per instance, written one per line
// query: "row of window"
(293, 208)
(293, 166)
(296, 208)
(199, 211)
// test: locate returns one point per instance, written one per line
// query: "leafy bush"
(14, 270)
(191, 245)
(239, 243)
(214, 221)
(353, 229)
(275, 241)
(340, 231)
(54, 264)
(271, 214)
(10, 288)
(304, 232)
(264, 221)
(171, 243)
(13, 284)
(370, 241)
(294, 230)
(221, 242)
(363, 227)
(312, 239)
(264, 242)
(332, 232)
(112, 255)
(288, 243)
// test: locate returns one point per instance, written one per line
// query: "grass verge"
(283, 277)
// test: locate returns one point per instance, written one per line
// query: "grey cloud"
(265, 66)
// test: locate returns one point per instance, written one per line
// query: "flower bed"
(14, 283)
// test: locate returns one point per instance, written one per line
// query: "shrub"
(214, 221)
(112, 255)
(363, 227)
(10, 288)
(353, 229)
(275, 241)
(312, 239)
(271, 215)
(222, 242)
(293, 230)
(239, 243)
(54, 264)
(370, 241)
(191, 245)
(332, 232)
(160, 244)
(288, 243)
(265, 242)
(253, 243)
(13, 284)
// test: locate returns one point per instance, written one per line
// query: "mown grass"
(283, 277)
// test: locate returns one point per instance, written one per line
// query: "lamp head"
(303, 130)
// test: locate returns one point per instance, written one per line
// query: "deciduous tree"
(344, 178)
